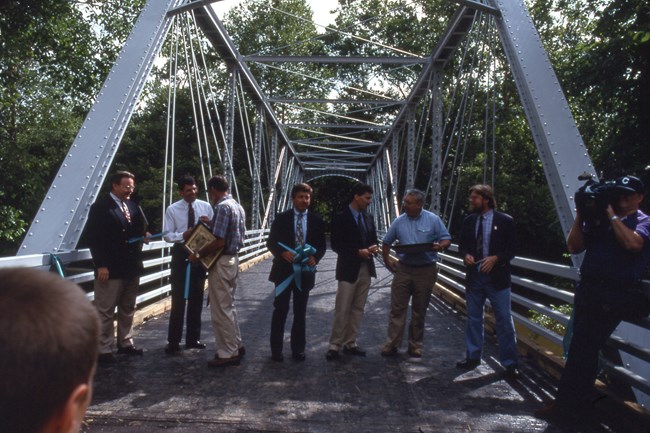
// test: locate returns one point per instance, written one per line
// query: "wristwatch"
(613, 218)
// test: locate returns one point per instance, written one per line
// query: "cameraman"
(607, 293)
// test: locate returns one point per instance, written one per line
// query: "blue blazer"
(503, 242)
(283, 230)
(346, 242)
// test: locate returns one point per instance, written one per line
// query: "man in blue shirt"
(415, 272)
(487, 245)
(616, 258)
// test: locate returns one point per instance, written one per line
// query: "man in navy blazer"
(487, 245)
(113, 220)
(354, 239)
(292, 228)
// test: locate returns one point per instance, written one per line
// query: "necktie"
(362, 229)
(300, 235)
(479, 239)
(190, 216)
(127, 214)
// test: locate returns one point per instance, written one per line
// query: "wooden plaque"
(201, 236)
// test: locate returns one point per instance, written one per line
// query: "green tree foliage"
(52, 63)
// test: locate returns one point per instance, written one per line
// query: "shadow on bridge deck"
(353, 395)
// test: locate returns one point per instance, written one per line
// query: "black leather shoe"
(468, 364)
(354, 351)
(512, 372)
(277, 357)
(130, 350)
(300, 357)
(241, 351)
(172, 349)
(194, 345)
(332, 355)
(104, 359)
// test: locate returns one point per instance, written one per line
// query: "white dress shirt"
(176, 218)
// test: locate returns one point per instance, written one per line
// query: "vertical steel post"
(410, 148)
(436, 142)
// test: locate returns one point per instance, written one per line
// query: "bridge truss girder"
(556, 136)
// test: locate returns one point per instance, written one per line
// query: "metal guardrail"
(452, 275)
(156, 268)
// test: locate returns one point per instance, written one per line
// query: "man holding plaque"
(421, 236)
(228, 227)
(180, 219)
(297, 241)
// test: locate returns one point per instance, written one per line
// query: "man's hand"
(469, 260)
(186, 234)
(436, 247)
(147, 237)
(311, 261)
(487, 263)
(102, 274)
(390, 264)
(364, 253)
(192, 258)
(287, 256)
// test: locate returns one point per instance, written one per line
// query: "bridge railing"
(537, 286)
(76, 265)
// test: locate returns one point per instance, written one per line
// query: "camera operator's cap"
(631, 184)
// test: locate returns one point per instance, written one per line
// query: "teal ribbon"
(141, 238)
(568, 334)
(188, 270)
(54, 260)
(301, 257)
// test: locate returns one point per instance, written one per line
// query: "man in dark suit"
(293, 228)
(354, 239)
(487, 244)
(112, 221)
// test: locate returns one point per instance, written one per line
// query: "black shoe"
(172, 349)
(354, 351)
(468, 364)
(300, 357)
(104, 359)
(194, 345)
(332, 354)
(130, 350)
(389, 352)
(512, 372)
(277, 357)
(241, 351)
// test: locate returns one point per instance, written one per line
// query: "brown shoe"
(415, 353)
(224, 362)
(389, 352)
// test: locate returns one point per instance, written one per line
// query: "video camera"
(592, 200)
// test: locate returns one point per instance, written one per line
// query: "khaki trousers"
(222, 285)
(348, 310)
(414, 283)
(120, 293)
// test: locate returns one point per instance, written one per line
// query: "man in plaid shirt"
(228, 226)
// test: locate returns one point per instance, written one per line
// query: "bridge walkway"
(180, 394)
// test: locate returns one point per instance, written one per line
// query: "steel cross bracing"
(325, 152)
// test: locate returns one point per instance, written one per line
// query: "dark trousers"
(280, 312)
(194, 302)
(599, 309)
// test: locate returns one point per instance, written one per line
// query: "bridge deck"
(372, 394)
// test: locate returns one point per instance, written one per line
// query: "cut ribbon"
(141, 238)
(300, 259)
(188, 271)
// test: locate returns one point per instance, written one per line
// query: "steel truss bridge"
(382, 132)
